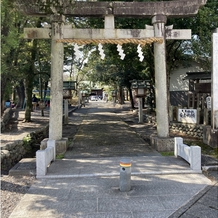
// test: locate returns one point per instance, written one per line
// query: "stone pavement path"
(91, 197)
(102, 133)
(99, 197)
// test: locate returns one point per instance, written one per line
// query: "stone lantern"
(140, 88)
(68, 86)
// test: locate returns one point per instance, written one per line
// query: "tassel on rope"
(101, 51)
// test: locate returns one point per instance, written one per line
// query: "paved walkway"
(85, 183)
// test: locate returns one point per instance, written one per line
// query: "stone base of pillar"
(61, 145)
(162, 144)
(210, 137)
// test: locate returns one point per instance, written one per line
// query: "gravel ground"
(12, 190)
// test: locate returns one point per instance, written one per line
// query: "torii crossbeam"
(182, 8)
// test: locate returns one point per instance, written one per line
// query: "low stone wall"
(12, 153)
(193, 130)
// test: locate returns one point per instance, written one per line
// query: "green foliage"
(59, 156)
(27, 143)
(26, 59)
(23, 61)
(202, 26)
(26, 140)
(167, 153)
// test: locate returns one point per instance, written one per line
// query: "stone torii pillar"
(210, 133)
(158, 22)
(57, 54)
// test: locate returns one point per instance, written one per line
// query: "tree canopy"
(25, 62)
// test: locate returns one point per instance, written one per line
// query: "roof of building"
(198, 75)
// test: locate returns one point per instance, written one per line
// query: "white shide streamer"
(101, 51)
(140, 53)
(120, 50)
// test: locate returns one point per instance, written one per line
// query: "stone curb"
(117, 174)
(210, 168)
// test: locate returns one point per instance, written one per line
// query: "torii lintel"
(106, 34)
(182, 8)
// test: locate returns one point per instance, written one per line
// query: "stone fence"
(192, 154)
(193, 130)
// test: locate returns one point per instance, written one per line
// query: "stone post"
(140, 112)
(205, 116)
(198, 115)
(171, 112)
(215, 80)
(56, 103)
(158, 22)
(66, 111)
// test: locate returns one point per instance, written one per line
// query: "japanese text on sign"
(187, 115)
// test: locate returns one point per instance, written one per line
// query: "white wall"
(176, 77)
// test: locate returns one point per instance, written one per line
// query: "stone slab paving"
(25, 167)
(150, 196)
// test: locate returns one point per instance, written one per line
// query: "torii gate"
(157, 34)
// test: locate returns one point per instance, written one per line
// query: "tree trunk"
(120, 95)
(131, 98)
(21, 95)
(3, 85)
(45, 89)
(28, 94)
(29, 83)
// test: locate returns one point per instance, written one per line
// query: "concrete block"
(195, 157)
(25, 167)
(210, 136)
(61, 145)
(162, 144)
(43, 144)
(178, 140)
(43, 159)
